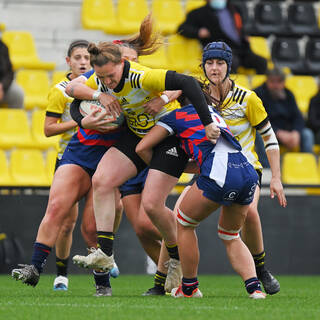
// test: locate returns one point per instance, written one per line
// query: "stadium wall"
(290, 234)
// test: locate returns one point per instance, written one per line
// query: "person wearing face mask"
(284, 114)
(219, 20)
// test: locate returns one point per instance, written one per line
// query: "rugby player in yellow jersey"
(133, 85)
(244, 113)
(71, 182)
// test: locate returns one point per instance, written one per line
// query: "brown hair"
(77, 44)
(146, 41)
(103, 53)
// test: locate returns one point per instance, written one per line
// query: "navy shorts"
(241, 180)
(134, 185)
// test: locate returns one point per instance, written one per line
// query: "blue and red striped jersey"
(186, 124)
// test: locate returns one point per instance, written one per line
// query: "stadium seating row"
(15, 130)
(27, 167)
(294, 19)
(128, 14)
(268, 17)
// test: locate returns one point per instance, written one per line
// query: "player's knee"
(150, 206)
(101, 184)
(56, 210)
(67, 228)
(186, 221)
(252, 216)
(228, 235)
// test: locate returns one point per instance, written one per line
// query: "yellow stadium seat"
(158, 59)
(130, 14)
(15, 129)
(241, 80)
(168, 15)
(51, 159)
(184, 54)
(27, 168)
(36, 85)
(37, 130)
(99, 15)
(194, 4)
(5, 176)
(22, 50)
(299, 168)
(303, 88)
(2, 26)
(57, 76)
(259, 45)
(257, 80)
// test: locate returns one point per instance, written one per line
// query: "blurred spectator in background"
(219, 20)
(314, 114)
(284, 115)
(11, 94)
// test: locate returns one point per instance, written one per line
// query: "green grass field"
(224, 298)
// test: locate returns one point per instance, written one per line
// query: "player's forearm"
(58, 128)
(274, 161)
(191, 89)
(173, 95)
(80, 91)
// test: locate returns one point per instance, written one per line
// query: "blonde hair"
(103, 53)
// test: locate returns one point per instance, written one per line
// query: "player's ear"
(68, 60)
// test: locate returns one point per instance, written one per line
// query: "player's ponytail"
(103, 53)
(146, 41)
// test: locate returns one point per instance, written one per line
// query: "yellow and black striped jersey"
(138, 85)
(243, 111)
(59, 106)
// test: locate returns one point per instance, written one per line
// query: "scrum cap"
(217, 50)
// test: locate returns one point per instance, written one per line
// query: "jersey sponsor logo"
(172, 152)
(231, 195)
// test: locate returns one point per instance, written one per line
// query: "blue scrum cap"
(217, 50)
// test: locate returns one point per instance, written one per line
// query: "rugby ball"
(88, 106)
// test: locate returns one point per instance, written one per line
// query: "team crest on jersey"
(231, 195)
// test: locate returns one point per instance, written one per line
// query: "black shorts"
(127, 145)
(168, 156)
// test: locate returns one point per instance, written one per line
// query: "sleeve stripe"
(264, 132)
(138, 81)
(270, 144)
(242, 97)
(165, 126)
(262, 123)
(53, 114)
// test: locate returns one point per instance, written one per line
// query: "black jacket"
(6, 72)
(206, 17)
(283, 114)
(314, 113)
